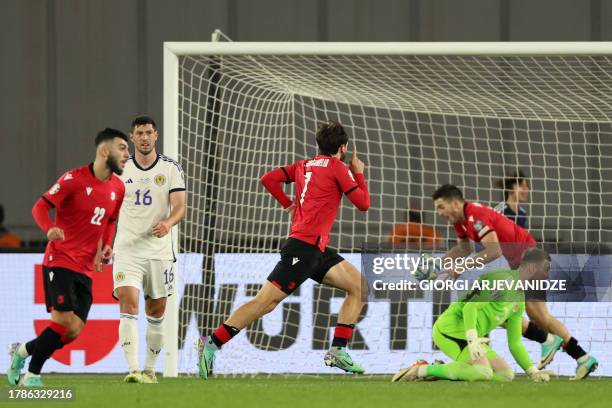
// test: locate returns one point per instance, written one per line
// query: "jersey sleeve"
(177, 179)
(353, 186)
(483, 224)
(460, 232)
(470, 314)
(515, 343)
(62, 189)
(272, 182)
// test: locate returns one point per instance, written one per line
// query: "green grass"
(108, 391)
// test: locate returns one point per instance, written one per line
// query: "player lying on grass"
(460, 331)
(320, 184)
(500, 236)
(87, 202)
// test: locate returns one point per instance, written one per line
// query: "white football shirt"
(146, 202)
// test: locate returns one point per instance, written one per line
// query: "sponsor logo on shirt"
(145, 180)
(160, 180)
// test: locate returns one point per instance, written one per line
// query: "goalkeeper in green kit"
(460, 331)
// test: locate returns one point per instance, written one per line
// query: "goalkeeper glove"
(475, 345)
(537, 375)
(427, 269)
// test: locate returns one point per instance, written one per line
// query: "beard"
(113, 164)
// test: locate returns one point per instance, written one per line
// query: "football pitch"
(108, 391)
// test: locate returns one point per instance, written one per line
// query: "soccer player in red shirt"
(87, 202)
(502, 237)
(320, 184)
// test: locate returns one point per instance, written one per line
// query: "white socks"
(155, 341)
(128, 336)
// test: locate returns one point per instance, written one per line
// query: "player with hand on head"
(144, 257)
(87, 202)
(502, 237)
(320, 184)
(460, 331)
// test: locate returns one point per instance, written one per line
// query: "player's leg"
(298, 260)
(127, 281)
(68, 295)
(461, 369)
(336, 272)
(538, 312)
(157, 286)
(502, 372)
(550, 343)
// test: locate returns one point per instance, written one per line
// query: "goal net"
(418, 121)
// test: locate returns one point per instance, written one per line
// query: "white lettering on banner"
(590, 322)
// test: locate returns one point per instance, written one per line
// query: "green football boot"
(585, 368)
(338, 357)
(31, 381)
(206, 357)
(17, 363)
(549, 351)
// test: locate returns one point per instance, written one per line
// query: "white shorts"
(154, 276)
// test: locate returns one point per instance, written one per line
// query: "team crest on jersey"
(119, 276)
(160, 180)
(478, 225)
(516, 307)
(55, 189)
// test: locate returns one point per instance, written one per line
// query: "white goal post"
(548, 102)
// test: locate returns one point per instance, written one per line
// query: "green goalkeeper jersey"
(484, 310)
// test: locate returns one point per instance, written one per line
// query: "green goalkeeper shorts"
(452, 346)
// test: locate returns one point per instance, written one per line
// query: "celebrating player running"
(320, 184)
(87, 202)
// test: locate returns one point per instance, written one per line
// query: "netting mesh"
(418, 122)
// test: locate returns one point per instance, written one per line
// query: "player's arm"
(352, 182)
(491, 248)
(273, 180)
(177, 203)
(461, 249)
(514, 333)
(62, 189)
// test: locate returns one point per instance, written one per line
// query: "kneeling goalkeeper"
(459, 332)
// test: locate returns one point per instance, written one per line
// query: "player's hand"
(161, 229)
(475, 345)
(107, 253)
(55, 233)
(356, 165)
(539, 376)
(291, 210)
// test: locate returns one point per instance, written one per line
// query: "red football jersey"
(480, 220)
(319, 185)
(83, 207)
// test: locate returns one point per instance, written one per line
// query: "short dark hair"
(143, 120)
(330, 136)
(109, 134)
(447, 192)
(507, 183)
(534, 256)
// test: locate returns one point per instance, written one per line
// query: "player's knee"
(155, 310)
(506, 375)
(129, 308)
